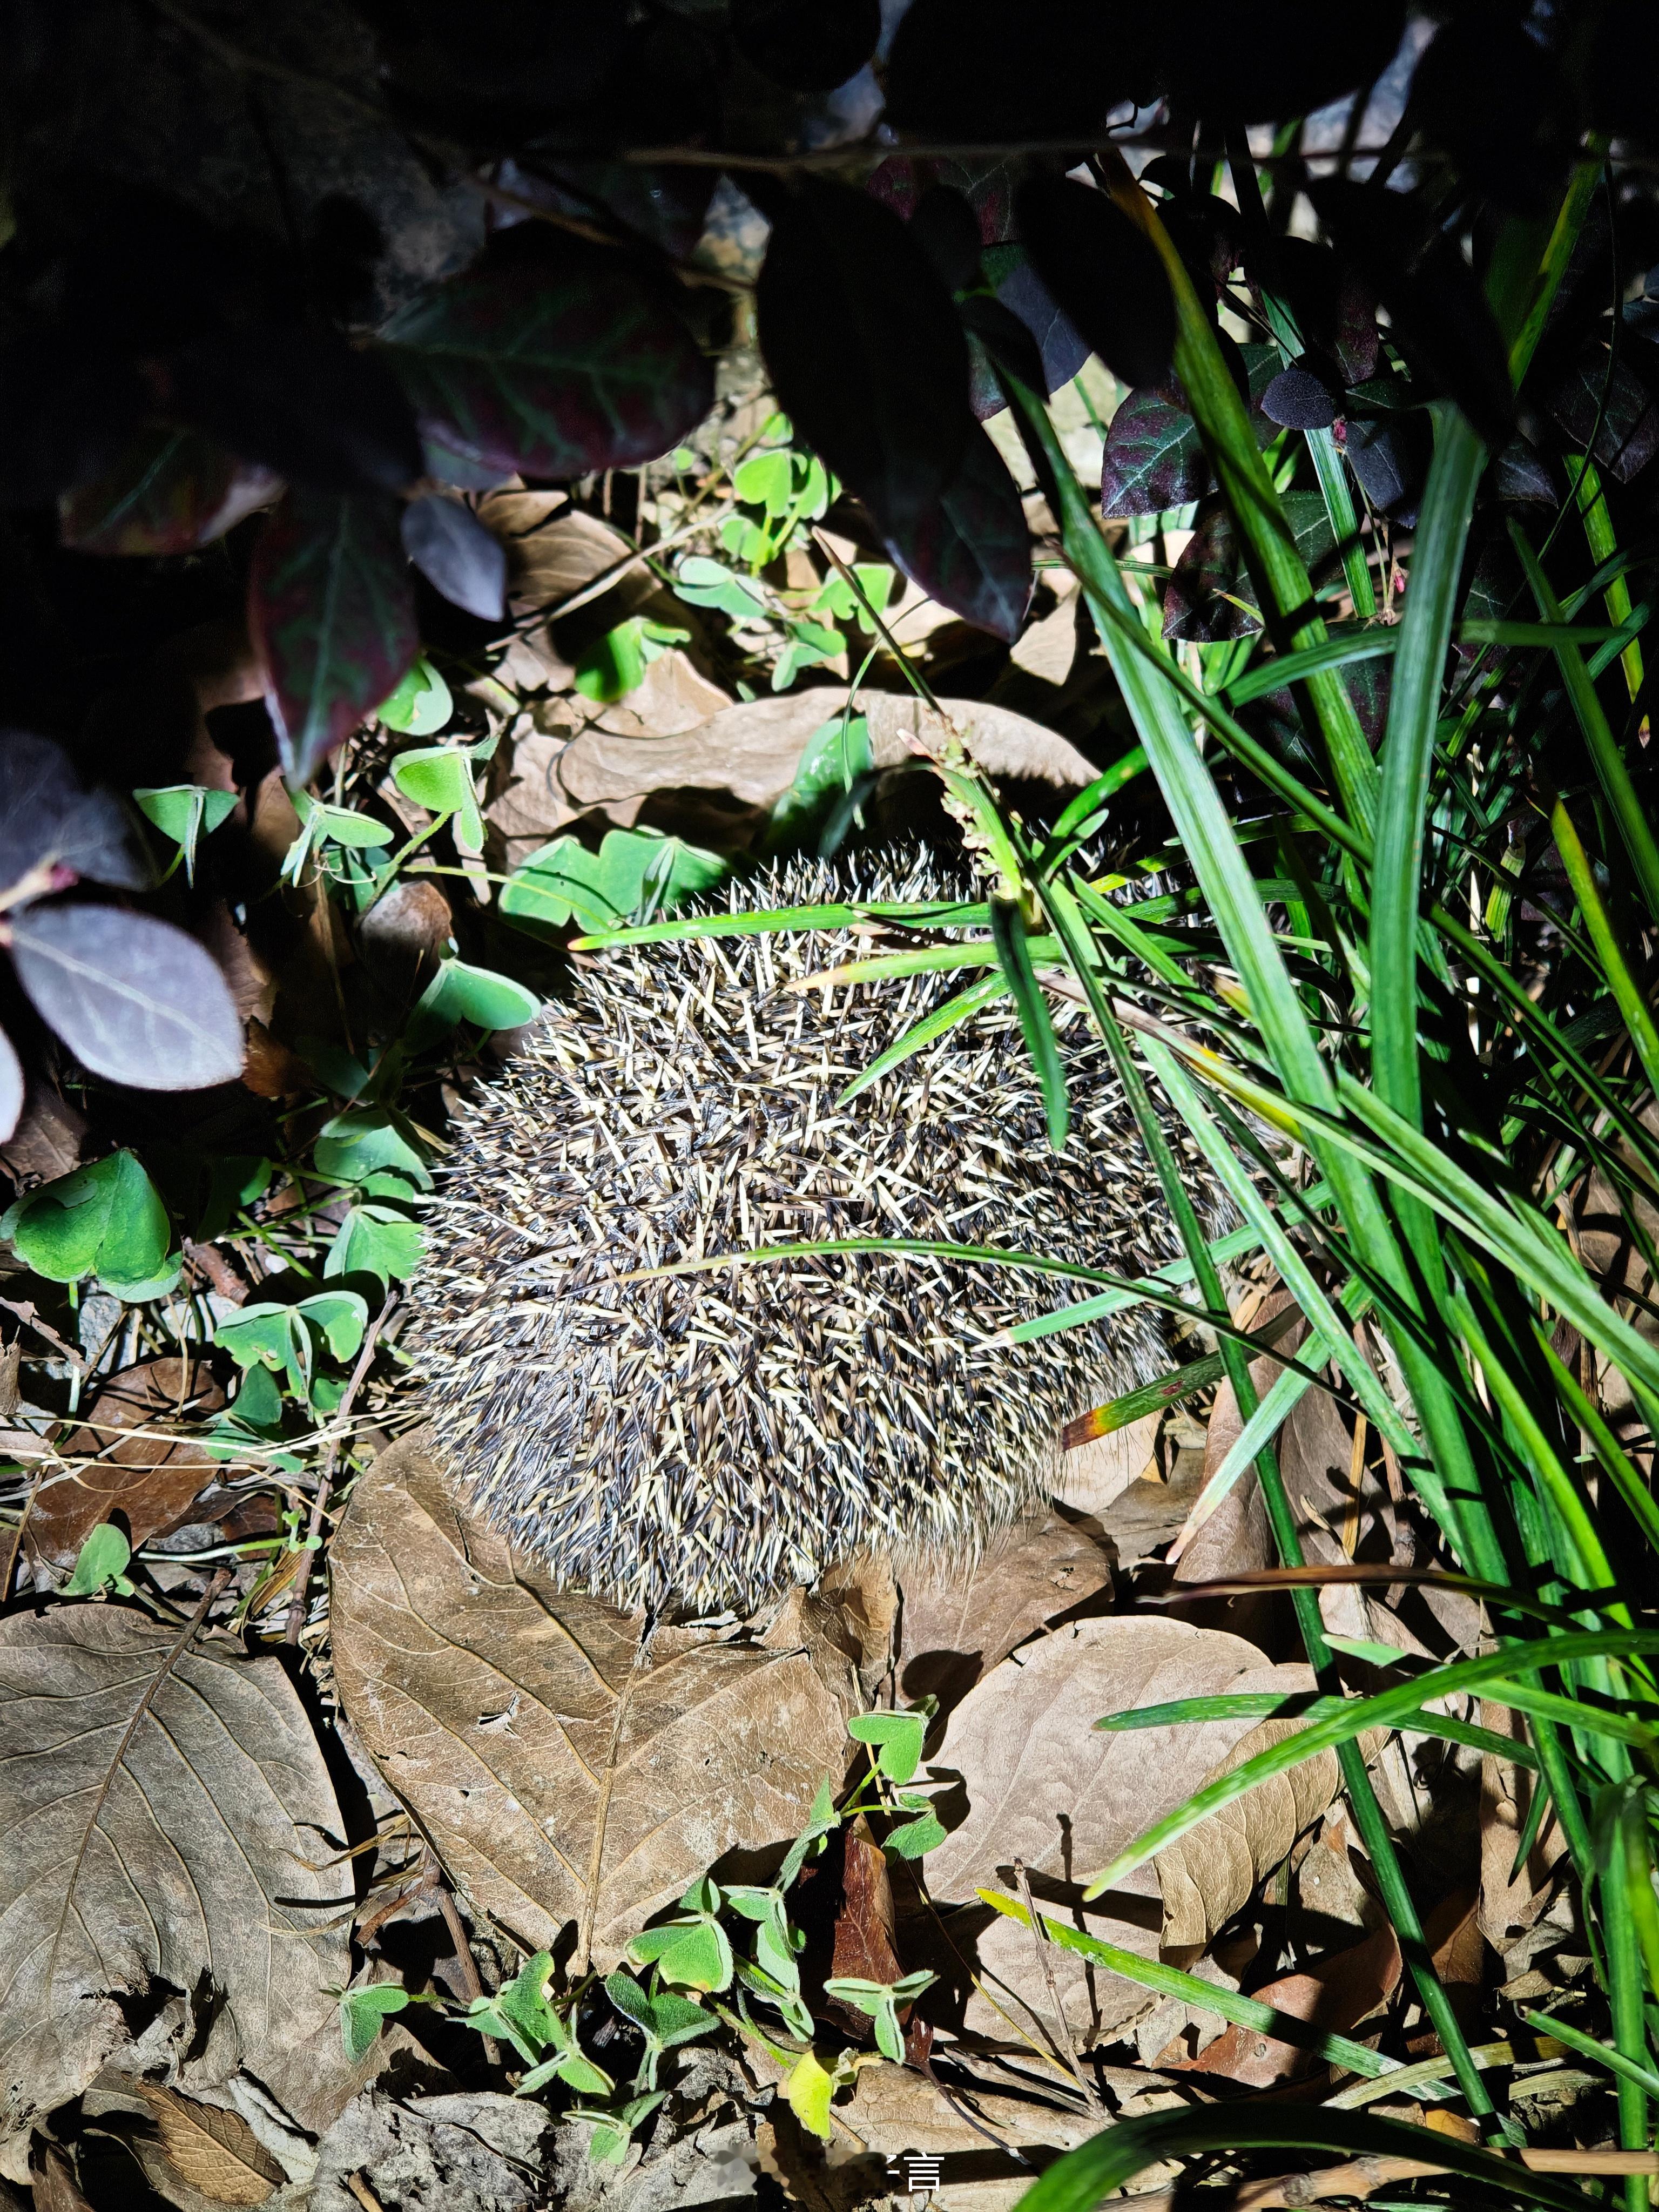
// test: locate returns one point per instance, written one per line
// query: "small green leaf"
(363, 2013)
(459, 992)
(702, 582)
(376, 1240)
(897, 1739)
(439, 778)
(807, 2091)
(634, 870)
(186, 812)
(106, 1218)
(916, 1838)
(614, 665)
(101, 1563)
(766, 480)
(366, 1141)
(421, 704)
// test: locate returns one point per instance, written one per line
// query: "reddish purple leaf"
(971, 550)
(331, 614)
(1154, 458)
(554, 367)
(169, 491)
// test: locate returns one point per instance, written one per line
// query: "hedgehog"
(694, 1444)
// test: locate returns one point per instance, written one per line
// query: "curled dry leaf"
(213, 2152)
(740, 762)
(137, 1463)
(108, 1901)
(562, 1771)
(1044, 1785)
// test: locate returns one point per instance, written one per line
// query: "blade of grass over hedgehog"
(921, 914)
(1016, 950)
(937, 1024)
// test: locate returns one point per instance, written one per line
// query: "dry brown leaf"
(730, 771)
(960, 1622)
(172, 1826)
(673, 697)
(1209, 1874)
(56, 2189)
(560, 1774)
(215, 2152)
(1096, 1475)
(137, 1463)
(1046, 1786)
(1335, 1995)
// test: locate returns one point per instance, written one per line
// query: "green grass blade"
(1107, 2162)
(1599, 925)
(1384, 1711)
(927, 1031)
(1599, 2054)
(1609, 761)
(1015, 948)
(1225, 2004)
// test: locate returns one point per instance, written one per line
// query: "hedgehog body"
(703, 1441)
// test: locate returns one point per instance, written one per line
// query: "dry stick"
(1045, 1962)
(296, 1611)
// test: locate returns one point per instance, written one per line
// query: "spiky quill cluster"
(704, 1440)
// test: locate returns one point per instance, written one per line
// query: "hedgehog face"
(703, 1441)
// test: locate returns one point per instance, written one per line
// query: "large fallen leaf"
(737, 765)
(959, 1621)
(1045, 1786)
(128, 1456)
(214, 2153)
(563, 1773)
(171, 1826)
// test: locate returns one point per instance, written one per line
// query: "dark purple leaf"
(302, 402)
(331, 614)
(1154, 458)
(1275, 58)
(1519, 473)
(1603, 398)
(1623, 75)
(987, 186)
(1207, 234)
(49, 823)
(1336, 313)
(1021, 290)
(65, 415)
(999, 339)
(1490, 96)
(810, 46)
(1385, 457)
(666, 203)
(947, 231)
(170, 491)
(989, 70)
(456, 554)
(557, 366)
(1104, 272)
(1310, 525)
(1297, 399)
(864, 349)
(1434, 302)
(135, 1000)
(1196, 605)
(972, 552)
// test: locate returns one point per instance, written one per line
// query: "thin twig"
(1092, 2096)
(296, 1611)
(17, 1533)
